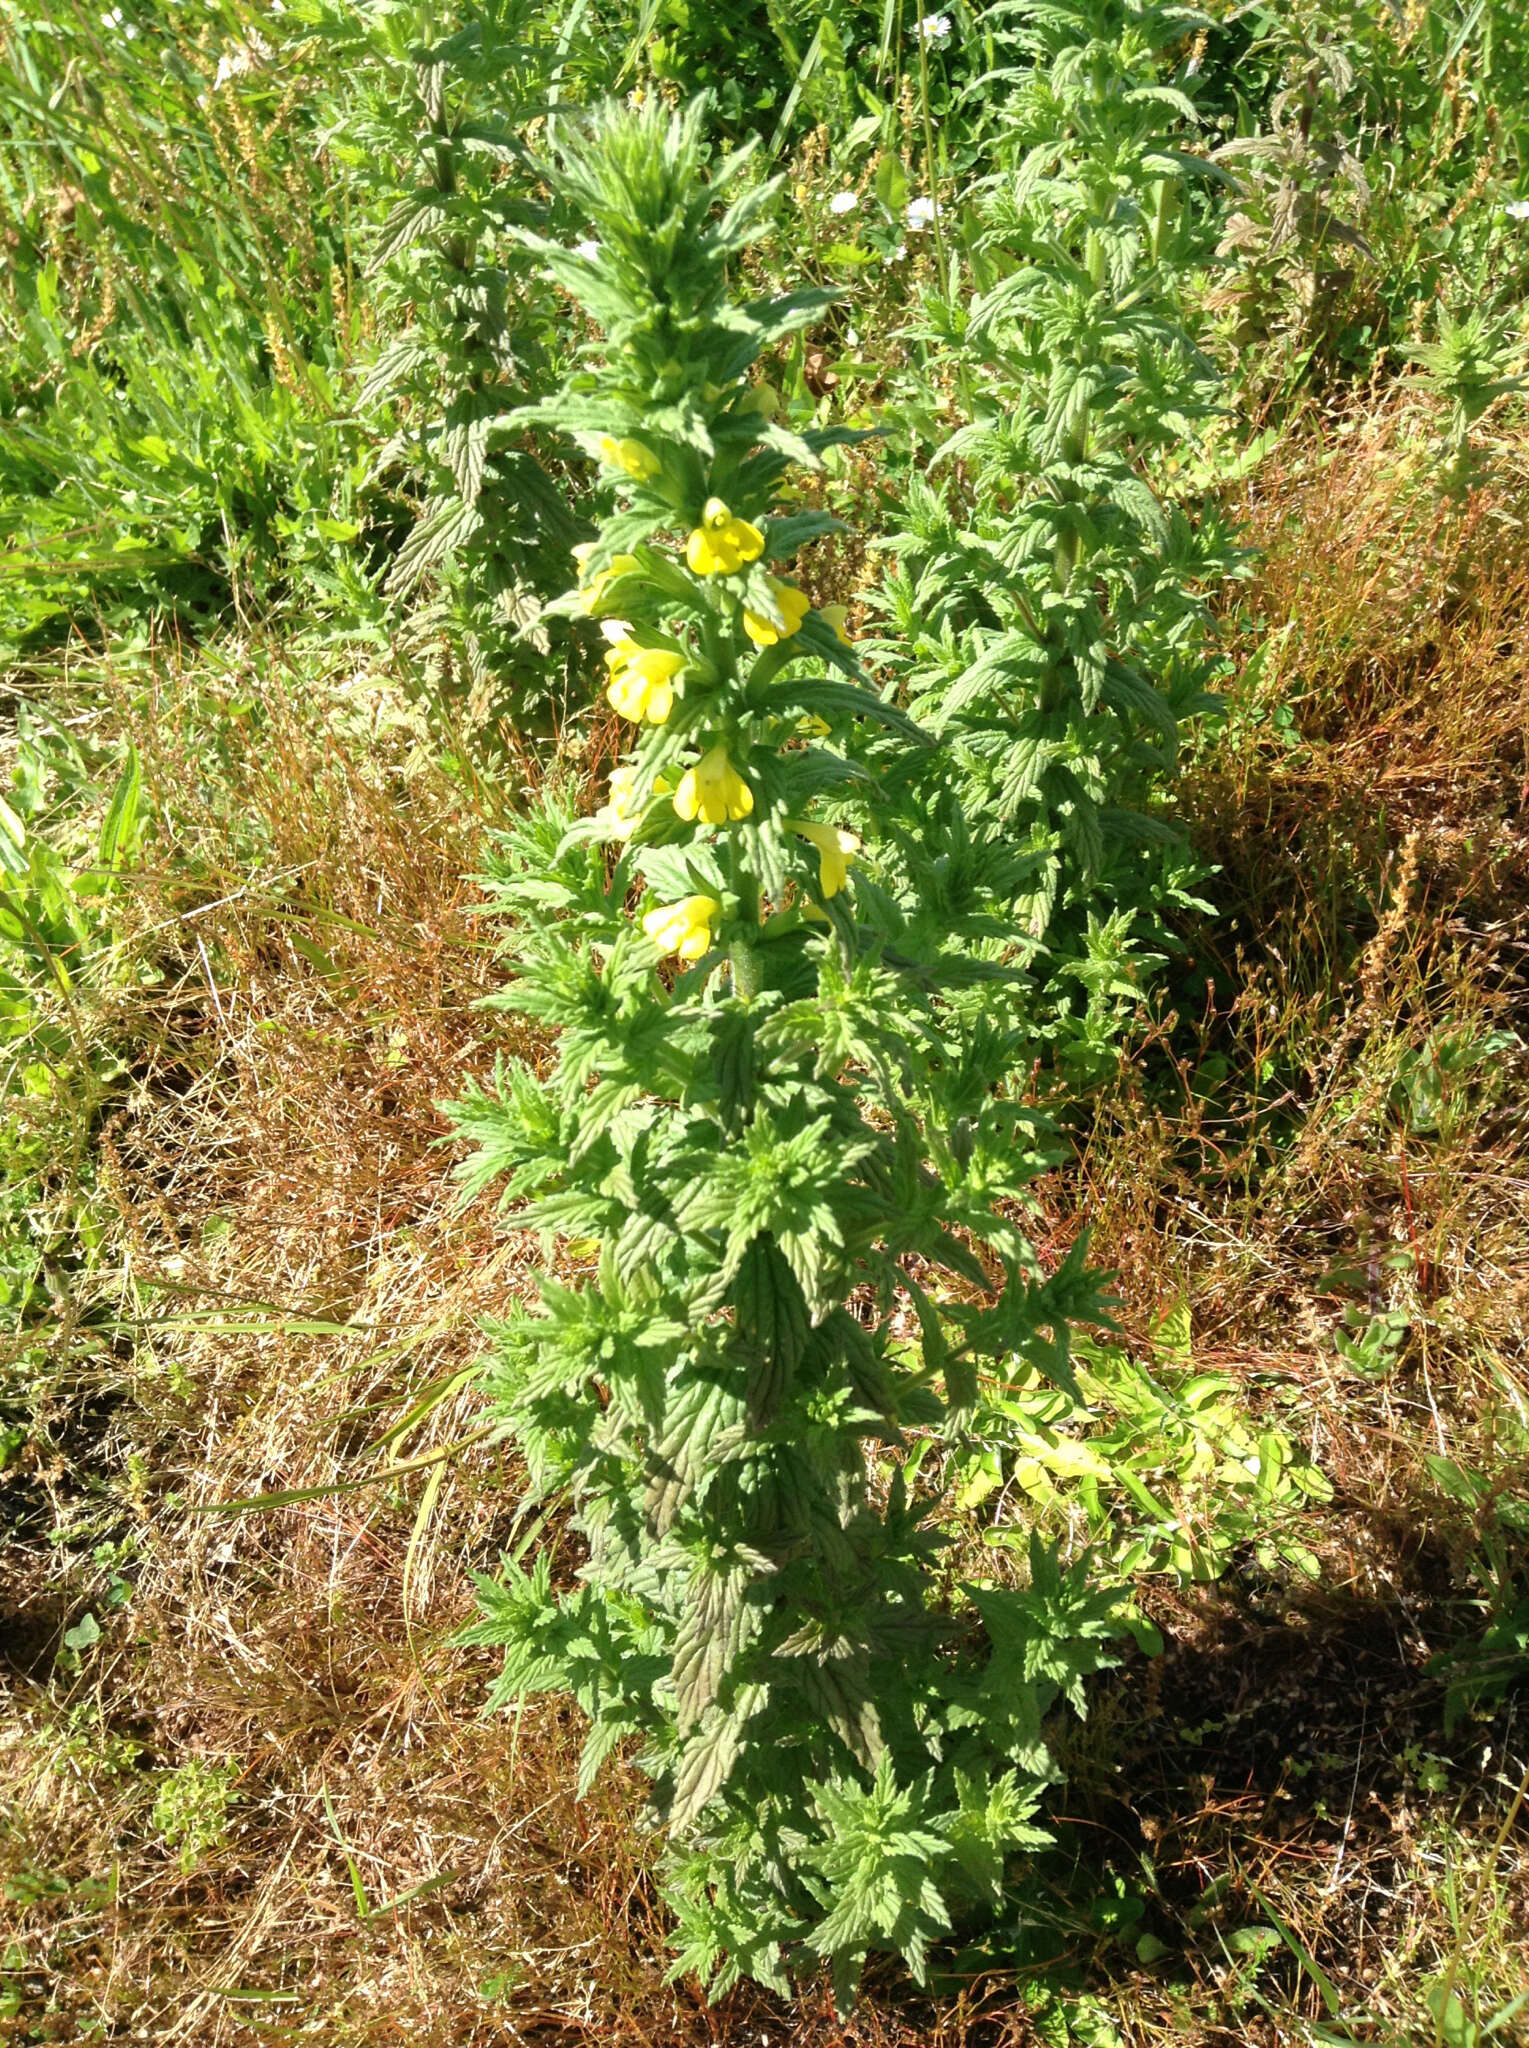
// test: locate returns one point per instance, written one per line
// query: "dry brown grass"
(1259, 1159)
(293, 1280)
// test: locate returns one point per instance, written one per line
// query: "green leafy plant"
(777, 1152)
(469, 333)
(1469, 368)
(1482, 1671)
(1159, 1464)
(1377, 151)
(62, 953)
(191, 1809)
(175, 321)
(1297, 231)
(1050, 599)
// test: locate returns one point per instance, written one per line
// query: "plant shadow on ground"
(1287, 1768)
(294, 1308)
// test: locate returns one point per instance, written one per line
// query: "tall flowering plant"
(782, 1172)
(1050, 615)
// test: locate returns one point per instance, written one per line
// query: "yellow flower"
(837, 616)
(721, 544)
(620, 565)
(642, 678)
(637, 461)
(683, 927)
(811, 727)
(835, 849)
(794, 604)
(713, 790)
(622, 813)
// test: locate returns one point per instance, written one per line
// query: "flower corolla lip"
(794, 606)
(835, 848)
(683, 927)
(921, 212)
(623, 811)
(638, 462)
(642, 679)
(622, 814)
(935, 28)
(721, 544)
(713, 791)
(593, 590)
(844, 202)
(837, 616)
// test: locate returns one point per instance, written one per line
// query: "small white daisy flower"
(590, 251)
(921, 212)
(1517, 209)
(935, 28)
(844, 202)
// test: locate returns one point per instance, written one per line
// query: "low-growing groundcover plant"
(785, 1172)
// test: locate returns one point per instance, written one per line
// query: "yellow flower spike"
(642, 679)
(835, 846)
(683, 927)
(713, 790)
(639, 463)
(794, 604)
(837, 616)
(721, 544)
